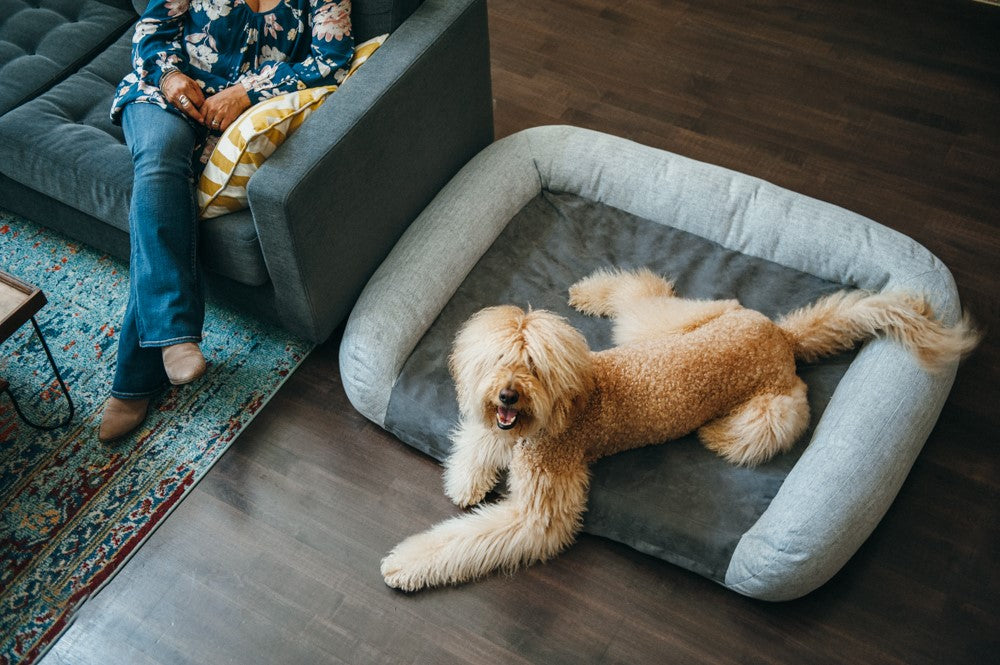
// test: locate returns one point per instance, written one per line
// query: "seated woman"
(198, 64)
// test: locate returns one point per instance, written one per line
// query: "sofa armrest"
(333, 200)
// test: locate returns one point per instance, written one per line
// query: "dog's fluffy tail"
(838, 321)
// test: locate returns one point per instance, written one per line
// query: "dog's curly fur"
(536, 401)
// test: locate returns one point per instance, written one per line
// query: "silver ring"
(215, 123)
(184, 100)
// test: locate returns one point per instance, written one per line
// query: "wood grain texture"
(887, 109)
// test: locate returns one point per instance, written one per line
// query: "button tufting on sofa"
(30, 27)
(41, 43)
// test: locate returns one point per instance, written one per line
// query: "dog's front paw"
(463, 495)
(401, 574)
(463, 490)
(413, 563)
(466, 499)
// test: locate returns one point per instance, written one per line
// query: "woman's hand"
(222, 108)
(180, 90)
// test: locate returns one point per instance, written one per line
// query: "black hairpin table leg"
(17, 407)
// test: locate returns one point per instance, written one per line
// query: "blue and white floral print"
(218, 43)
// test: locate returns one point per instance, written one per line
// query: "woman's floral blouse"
(298, 44)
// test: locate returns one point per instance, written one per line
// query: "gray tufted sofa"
(325, 209)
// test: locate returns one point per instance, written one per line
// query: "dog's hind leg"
(477, 456)
(643, 304)
(539, 519)
(652, 318)
(761, 428)
(605, 291)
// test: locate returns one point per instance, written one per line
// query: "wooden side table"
(19, 302)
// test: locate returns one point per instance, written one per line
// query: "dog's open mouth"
(506, 417)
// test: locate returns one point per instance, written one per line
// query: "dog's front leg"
(477, 456)
(538, 520)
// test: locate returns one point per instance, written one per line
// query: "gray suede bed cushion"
(678, 502)
(540, 209)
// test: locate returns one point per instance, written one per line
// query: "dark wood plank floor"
(888, 109)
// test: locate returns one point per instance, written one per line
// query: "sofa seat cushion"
(43, 41)
(230, 247)
(64, 145)
(537, 211)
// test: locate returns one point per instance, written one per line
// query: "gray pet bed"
(540, 209)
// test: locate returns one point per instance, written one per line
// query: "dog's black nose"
(508, 396)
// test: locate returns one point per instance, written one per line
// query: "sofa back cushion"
(43, 41)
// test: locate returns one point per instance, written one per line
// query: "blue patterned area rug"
(73, 510)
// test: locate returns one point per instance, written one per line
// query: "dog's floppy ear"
(561, 357)
(477, 345)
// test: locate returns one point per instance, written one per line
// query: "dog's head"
(519, 372)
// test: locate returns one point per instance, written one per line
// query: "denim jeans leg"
(166, 304)
(163, 229)
(139, 371)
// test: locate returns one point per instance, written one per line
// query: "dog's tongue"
(506, 416)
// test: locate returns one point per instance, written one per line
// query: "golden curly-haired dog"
(536, 401)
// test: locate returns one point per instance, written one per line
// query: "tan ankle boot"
(183, 362)
(121, 416)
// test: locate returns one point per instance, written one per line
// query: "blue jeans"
(166, 304)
